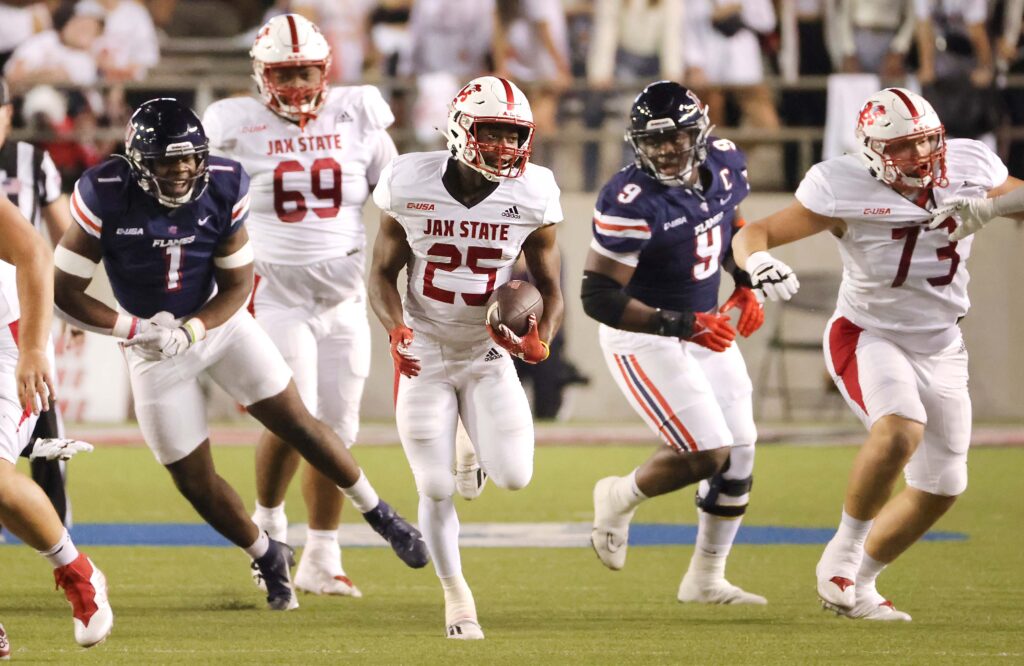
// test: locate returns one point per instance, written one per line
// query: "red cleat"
(85, 587)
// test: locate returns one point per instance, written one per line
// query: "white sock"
(458, 600)
(715, 535)
(259, 547)
(61, 553)
(852, 530)
(626, 495)
(322, 543)
(439, 524)
(362, 495)
(869, 570)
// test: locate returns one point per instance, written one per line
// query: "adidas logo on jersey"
(512, 212)
(492, 354)
(343, 117)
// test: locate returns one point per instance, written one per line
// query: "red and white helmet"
(486, 100)
(897, 114)
(291, 40)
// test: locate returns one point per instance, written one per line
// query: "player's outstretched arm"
(21, 246)
(750, 246)
(1006, 200)
(605, 300)
(544, 260)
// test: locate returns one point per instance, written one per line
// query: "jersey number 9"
(290, 205)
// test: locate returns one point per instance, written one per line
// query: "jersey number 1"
(290, 205)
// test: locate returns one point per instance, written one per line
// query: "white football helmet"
(896, 114)
(291, 40)
(490, 100)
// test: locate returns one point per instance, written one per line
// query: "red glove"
(529, 347)
(712, 330)
(405, 362)
(751, 310)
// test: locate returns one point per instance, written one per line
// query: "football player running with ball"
(168, 221)
(661, 237)
(314, 154)
(893, 346)
(457, 220)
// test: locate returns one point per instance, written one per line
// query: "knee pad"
(435, 484)
(950, 482)
(724, 497)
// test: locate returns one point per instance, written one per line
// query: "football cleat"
(85, 587)
(721, 591)
(470, 481)
(275, 570)
(873, 606)
(316, 576)
(610, 534)
(277, 530)
(405, 540)
(836, 572)
(465, 630)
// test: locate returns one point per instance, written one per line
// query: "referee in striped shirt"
(29, 178)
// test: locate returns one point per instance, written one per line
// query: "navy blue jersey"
(159, 258)
(677, 238)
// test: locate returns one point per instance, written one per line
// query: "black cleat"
(275, 570)
(405, 540)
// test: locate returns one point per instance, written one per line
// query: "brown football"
(512, 303)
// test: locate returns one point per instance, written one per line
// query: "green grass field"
(551, 605)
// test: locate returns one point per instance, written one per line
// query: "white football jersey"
(901, 280)
(308, 186)
(459, 254)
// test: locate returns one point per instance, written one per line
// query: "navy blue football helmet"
(668, 129)
(166, 128)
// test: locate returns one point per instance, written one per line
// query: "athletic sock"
(715, 535)
(259, 547)
(868, 573)
(362, 495)
(625, 494)
(853, 531)
(61, 553)
(323, 545)
(458, 600)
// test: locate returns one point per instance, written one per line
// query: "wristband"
(195, 329)
(674, 324)
(125, 327)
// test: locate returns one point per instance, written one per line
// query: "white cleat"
(836, 572)
(873, 606)
(313, 577)
(721, 591)
(470, 481)
(610, 534)
(465, 630)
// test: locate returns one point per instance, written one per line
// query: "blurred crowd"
(578, 60)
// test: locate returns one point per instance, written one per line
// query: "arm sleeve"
(815, 193)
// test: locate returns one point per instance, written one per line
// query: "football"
(512, 303)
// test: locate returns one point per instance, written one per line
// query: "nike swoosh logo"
(204, 220)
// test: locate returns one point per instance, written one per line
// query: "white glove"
(161, 339)
(973, 214)
(774, 279)
(58, 449)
